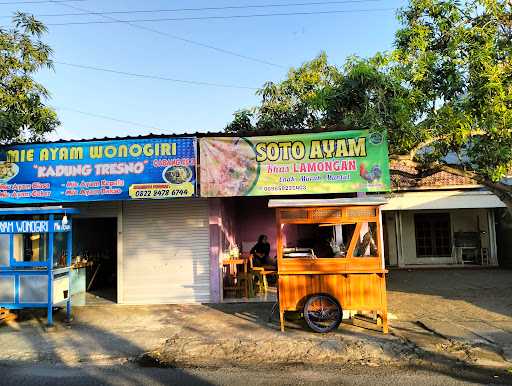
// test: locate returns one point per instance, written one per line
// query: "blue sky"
(157, 106)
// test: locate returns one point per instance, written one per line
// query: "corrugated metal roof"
(116, 138)
(253, 133)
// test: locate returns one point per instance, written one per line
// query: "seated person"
(260, 252)
(323, 248)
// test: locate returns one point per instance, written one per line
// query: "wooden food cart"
(353, 278)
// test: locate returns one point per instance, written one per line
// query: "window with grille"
(433, 234)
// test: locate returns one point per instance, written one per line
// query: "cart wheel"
(323, 313)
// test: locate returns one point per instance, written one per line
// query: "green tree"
(360, 95)
(23, 114)
(455, 57)
(444, 94)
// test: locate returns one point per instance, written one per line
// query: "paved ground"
(441, 319)
(468, 311)
(127, 375)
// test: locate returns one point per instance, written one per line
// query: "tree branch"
(422, 145)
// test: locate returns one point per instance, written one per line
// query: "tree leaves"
(361, 95)
(446, 89)
(23, 113)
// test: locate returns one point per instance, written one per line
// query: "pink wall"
(240, 220)
(290, 235)
(253, 218)
(222, 224)
(228, 224)
(249, 217)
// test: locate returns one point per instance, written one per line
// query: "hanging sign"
(329, 162)
(154, 168)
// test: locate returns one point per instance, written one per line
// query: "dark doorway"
(95, 247)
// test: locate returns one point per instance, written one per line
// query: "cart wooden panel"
(354, 291)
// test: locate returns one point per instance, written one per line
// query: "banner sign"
(329, 162)
(32, 226)
(98, 170)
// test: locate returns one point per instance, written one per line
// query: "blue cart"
(35, 258)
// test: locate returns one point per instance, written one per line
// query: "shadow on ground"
(233, 334)
(79, 343)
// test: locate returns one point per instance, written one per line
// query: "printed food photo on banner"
(328, 162)
(231, 166)
(98, 170)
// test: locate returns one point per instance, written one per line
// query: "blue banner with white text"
(32, 226)
(156, 168)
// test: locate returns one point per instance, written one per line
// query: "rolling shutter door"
(166, 252)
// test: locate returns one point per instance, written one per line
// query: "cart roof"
(300, 203)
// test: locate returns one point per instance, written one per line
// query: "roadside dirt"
(278, 350)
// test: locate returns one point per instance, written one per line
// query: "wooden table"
(232, 264)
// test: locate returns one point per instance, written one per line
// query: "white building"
(442, 219)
